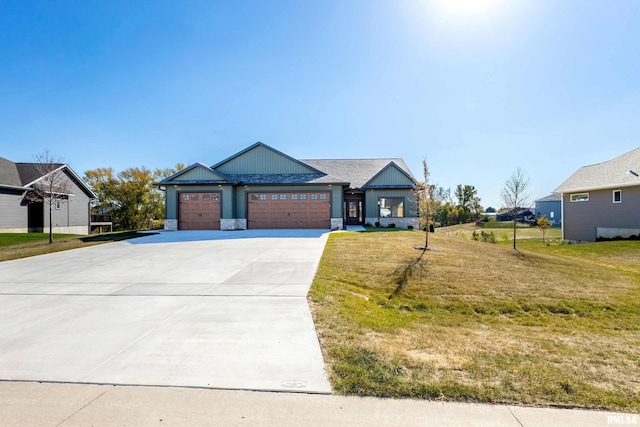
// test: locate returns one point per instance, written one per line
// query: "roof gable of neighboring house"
(196, 173)
(25, 175)
(262, 159)
(550, 198)
(359, 172)
(621, 171)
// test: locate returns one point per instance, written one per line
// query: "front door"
(354, 212)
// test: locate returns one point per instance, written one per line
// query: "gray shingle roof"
(550, 198)
(355, 171)
(298, 178)
(9, 175)
(609, 174)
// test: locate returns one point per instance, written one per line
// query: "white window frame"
(613, 195)
(574, 197)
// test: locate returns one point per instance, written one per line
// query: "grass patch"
(22, 245)
(548, 325)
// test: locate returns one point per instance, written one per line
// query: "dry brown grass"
(481, 322)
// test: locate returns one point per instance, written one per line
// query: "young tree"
(514, 195)
(54, 186)
(426, 200)
(543, 224)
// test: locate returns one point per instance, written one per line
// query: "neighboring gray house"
(19, 214)
(602, 200)
(261, 187)
(550, 207)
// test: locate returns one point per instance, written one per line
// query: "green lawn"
(21, 245)
(473, 321)
(10, 239)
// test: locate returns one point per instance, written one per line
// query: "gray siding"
(261, 160)
(372, 196)
(73, 212)
(13, 214)
(582, 218)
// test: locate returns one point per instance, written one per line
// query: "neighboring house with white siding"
(602, 200)
(20, 213)
(260, 187)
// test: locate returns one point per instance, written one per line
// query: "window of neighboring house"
(274, 197)
(391, 207)
(263, 197)
(294, 197)
(58, 204)
(552, 214)
(580, 197)
(617, 196)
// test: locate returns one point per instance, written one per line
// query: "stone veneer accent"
(171, 225)
(399, 222)
(337, 224)
(233, 224)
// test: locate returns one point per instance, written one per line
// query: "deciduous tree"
(514, 195)
(543, 224)
(53, 187)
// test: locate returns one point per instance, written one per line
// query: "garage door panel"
(289, 210)
(199, 211)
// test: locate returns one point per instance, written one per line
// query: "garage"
(289, 210)
(199, 211)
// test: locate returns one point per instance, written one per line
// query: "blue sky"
(478, 88)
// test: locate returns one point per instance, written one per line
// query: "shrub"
(410, 227)
(368, 225)
(377, 224)
(392, 225)
(431, 228)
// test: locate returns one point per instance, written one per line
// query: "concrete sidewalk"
(50, 404)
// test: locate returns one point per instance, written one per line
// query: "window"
(58, 204)
(283, 197)
(206, 197)
(263, 197)
(274, 197)
(323, 196)
(552, 214)
(580, 197)
(215, 197)
(314, 196)
(303, 197)
(185, 197)
(294, 197)
(391, 207)
(617, 196)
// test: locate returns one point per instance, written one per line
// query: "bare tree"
(53, 187)
(514, 195)
(426, 200)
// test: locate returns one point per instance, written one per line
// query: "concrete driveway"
(190, 308)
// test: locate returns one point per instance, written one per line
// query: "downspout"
(562, 214)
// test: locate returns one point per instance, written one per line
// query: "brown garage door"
(199, 211)
(289, 210)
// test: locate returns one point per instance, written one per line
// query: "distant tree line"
(462, 208)
(131, 197)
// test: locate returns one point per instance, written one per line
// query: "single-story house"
(551, 207)
(522, 215)
(22, 212)
(602, 200)
(260, 187)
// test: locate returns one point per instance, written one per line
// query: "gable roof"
(301, 167)
(21, 176)
(9, 175)
(358, 172)
(216, 177)
(621, 171)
